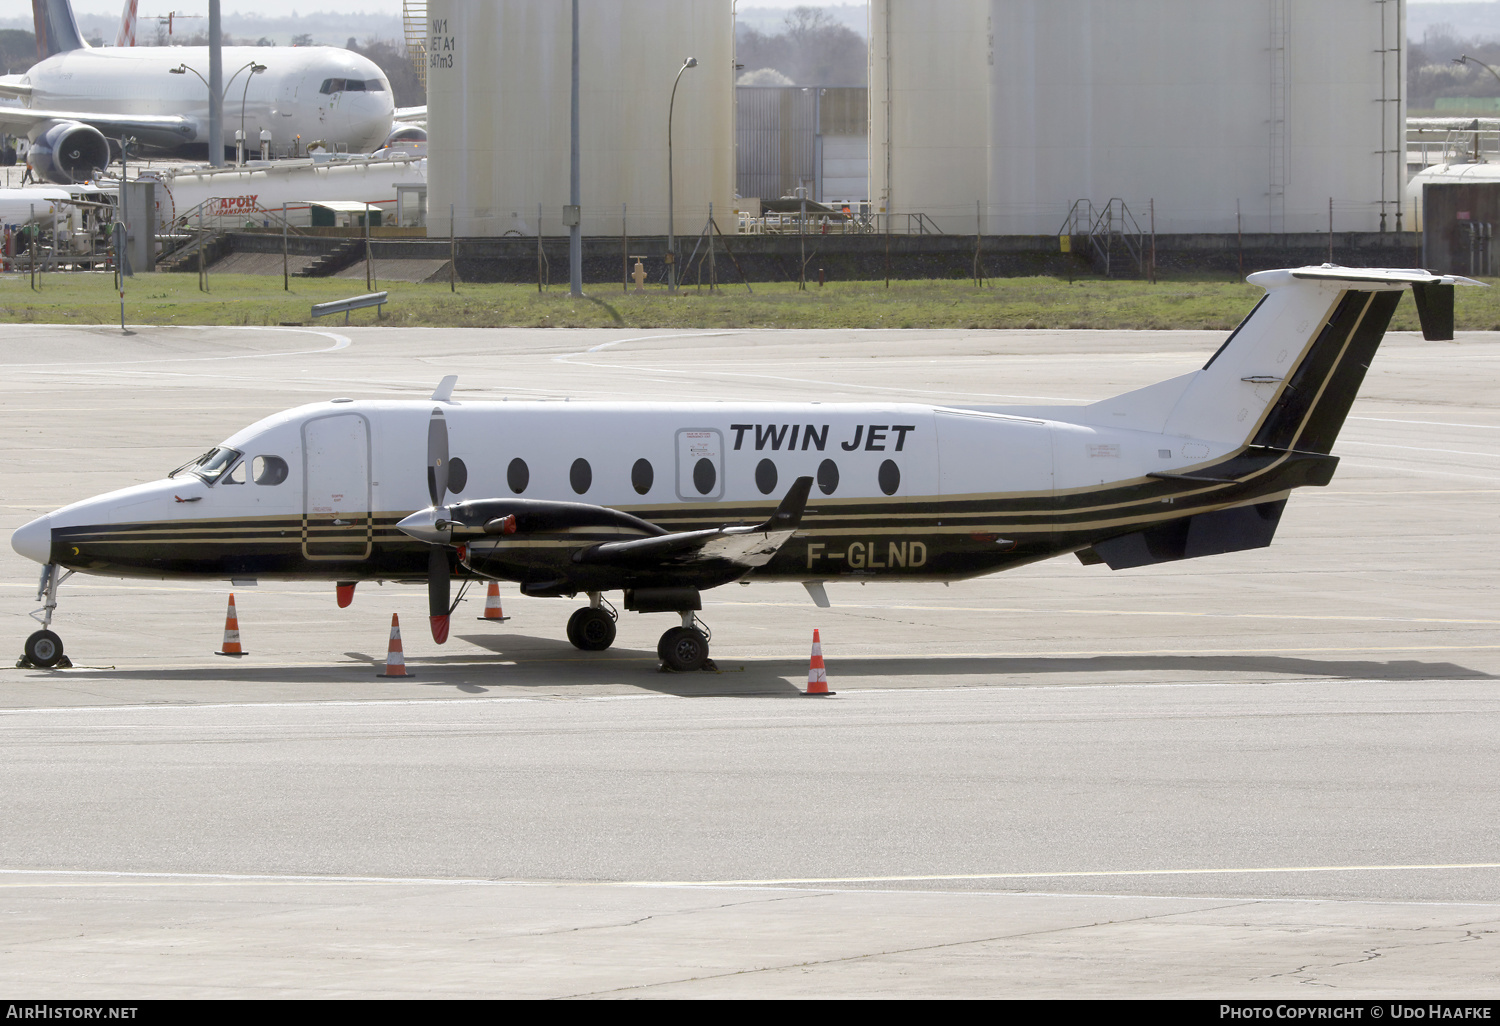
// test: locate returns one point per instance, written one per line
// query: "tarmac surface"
(1266, 774)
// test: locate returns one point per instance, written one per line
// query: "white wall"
(498, 114)
(1029, 105)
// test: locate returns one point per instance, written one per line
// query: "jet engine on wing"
(67, 152)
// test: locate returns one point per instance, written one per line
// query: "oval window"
(518, 475)
(458, 475)
(765, 477)
(890, 477)
(642, 476)
(704, 476)
(269, 470)
(581, 475)
(828, 477)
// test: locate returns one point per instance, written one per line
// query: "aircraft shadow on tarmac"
(523, 661)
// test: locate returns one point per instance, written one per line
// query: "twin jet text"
(871, 438)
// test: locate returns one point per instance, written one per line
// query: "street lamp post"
(1466, 59)
(691, 62)
(255, 69)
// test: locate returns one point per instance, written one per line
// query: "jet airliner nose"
(34, 540)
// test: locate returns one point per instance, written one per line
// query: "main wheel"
(44, 649)
(683, 649)
(592, 630)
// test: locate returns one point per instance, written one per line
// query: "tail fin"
(1288, 375)
(127, 24)
(56, 28)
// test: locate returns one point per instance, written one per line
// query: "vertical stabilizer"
(56, 28)
(127, 24)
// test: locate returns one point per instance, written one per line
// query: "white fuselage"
(288, 98)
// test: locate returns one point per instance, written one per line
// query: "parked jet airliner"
(78, 98)
(665, 500)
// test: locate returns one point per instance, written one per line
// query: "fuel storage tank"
(1273, 107)
(499, 97)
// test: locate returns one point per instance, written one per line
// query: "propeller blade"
(437, 458)
(437, 593)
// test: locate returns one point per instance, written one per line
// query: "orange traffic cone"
(395, 661)
(231, 632)
(817, 674)
(492, 610)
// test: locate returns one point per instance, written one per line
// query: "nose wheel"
(44, 649)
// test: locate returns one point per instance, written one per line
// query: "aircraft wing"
(409, 115)
(159, 129)
(744, 545)
(13, 87)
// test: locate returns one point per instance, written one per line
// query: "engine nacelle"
(67, 152)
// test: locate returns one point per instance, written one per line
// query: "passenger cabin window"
(518, 475)
(581, 475)
(269, 470)
(458, 475)
(828, 477)
(642, 476)
(765, 477)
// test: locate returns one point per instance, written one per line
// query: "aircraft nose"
(34, 540)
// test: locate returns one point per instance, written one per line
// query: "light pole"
(691, 62)
(575, 189)
(1466, 59)
(255, 69)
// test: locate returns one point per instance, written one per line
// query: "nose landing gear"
(44, 649)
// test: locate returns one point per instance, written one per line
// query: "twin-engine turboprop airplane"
(665, 500)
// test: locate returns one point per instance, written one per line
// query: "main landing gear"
(683, 649)
(592, 628)
(44, 649)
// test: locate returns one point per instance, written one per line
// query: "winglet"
(789, 513)
(1434, 309)
(444, 391)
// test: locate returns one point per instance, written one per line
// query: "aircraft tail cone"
(817, 673)
(395, 660)
(231, 632)
(492, 610)
(440, 628)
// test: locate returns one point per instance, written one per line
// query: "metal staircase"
(414, 19)
(1112, 232)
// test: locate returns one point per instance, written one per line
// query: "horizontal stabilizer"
(1207, 534)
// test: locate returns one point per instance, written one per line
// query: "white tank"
(1444, 174)
(1277, 105)
(499, 95)
(255, 194)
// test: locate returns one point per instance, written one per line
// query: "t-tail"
(56, 28)
(1273, 399)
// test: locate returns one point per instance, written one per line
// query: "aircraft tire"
(591, 630)
(683, 649)
(44, 649)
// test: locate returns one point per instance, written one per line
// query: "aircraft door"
(700, 464)
(336, 522)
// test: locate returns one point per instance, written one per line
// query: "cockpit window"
(210, 465)
(269, 470)
(351, 85)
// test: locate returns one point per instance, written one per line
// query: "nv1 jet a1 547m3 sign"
(663, 501)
